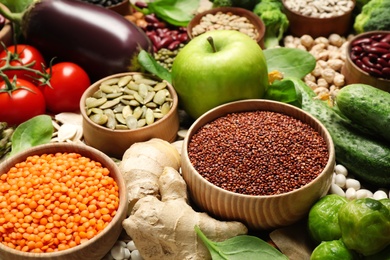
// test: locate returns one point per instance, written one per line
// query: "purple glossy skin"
(101, 41)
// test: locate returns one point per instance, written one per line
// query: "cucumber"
(367, 106)
(365, 157)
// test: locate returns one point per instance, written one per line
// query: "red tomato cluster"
(36, 88)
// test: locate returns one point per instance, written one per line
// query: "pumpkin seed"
(132, 85)
(138, 98)
(99, 118)
(111, 120)
(160, 86)
(141, 122)
(131, 122)
(149, 97)
(127, 111)
(119, 117)
(124, 81)
(160, 97)
(111, 103)
(137, 112)
(97, 102)
(142, 90)
(121, 127)
(111, 81)
(113, 95)
(149, 116)
(165, 108)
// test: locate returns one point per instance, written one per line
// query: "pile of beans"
(320, 9)
(225, 21)
(53, 202)
(372, 54)
(258, 153)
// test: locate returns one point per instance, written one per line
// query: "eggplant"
(99, 40)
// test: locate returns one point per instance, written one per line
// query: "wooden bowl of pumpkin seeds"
(126, 108)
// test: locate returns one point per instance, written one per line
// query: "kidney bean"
(183, 37)
(361, 41)
(165, 42)
(141, 4)
(383, 45)
(382, 62)
(357, 49)
(386, 56)
(367, 61)
(173, 45)
(386, 72)
(155, 39)
(150, 18)
(370, 48)
(386, 38)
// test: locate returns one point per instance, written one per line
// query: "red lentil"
(40, 209)
(258, 153)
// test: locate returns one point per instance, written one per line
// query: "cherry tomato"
(21, 102)
(68, 81)
(22, 54)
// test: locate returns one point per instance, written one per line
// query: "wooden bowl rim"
(196, 125)
(317, 18)
(252, 17)
(157, 123)
(81, 149)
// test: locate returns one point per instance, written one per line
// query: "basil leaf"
(291, 62)
(35, 131)
(284, 91)
(148, 62)
(175, 12)
(241, 247)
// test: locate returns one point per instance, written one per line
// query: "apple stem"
(211, 41)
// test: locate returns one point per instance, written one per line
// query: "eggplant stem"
(13, 17)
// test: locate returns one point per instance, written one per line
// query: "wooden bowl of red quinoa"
(96, 246)
(260, 162)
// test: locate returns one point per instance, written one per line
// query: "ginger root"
(164, 229)
(142, 164)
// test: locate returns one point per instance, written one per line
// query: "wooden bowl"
(257, 212)
(98, 246)
(6, 32)
(316, 27)
(253, 18)
(353, 74)
(115, 142)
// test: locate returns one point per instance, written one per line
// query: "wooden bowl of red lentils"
(368, 60)
(228, 18)
(260, 162)
(60, 201)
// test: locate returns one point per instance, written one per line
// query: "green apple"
(218, 67)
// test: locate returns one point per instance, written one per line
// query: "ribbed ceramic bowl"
(115, 142)
(254, 19)
(354, 74)
(257, 212)
(316, 27)
(98, 246)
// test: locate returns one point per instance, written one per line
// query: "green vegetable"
(374, 16)
(149, 63)
(333, 250)
(222, 3)
(35, 131)
(174, 12)
(365, 225)
(290, 62)
(276, 22)
(16, 6)
(283, 91)
(367, 106)
(323, 224)
(247, 4)
(240, 247)
(361, 154)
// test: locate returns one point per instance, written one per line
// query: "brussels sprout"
(323, 221)
(382, 255)
(386, 202)
(333, 250)
(365, 225)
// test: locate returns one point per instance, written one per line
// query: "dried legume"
(129, 102)
(225, 21)
(53, 202)
(258, 153)
(320, 8)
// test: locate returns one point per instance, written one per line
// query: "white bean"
(131, 246)
(340, 169)
(335, 189)
(363, 193)
(380, 194)
(352, 183)
(350, 193)
(118, 250)
(135, 255)
(340, 180)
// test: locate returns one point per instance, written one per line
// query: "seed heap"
(54, 202)
(225, 21)
(129, 102)
(320, 8)
(258, 153)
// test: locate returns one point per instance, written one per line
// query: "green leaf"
(148, 62)
(290, 61)
(175, 12)
(35, 131)
(284, 91)
(16, 6)
(241, 247)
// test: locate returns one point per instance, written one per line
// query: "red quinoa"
(258, 153)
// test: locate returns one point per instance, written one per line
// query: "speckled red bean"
(258, 153)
